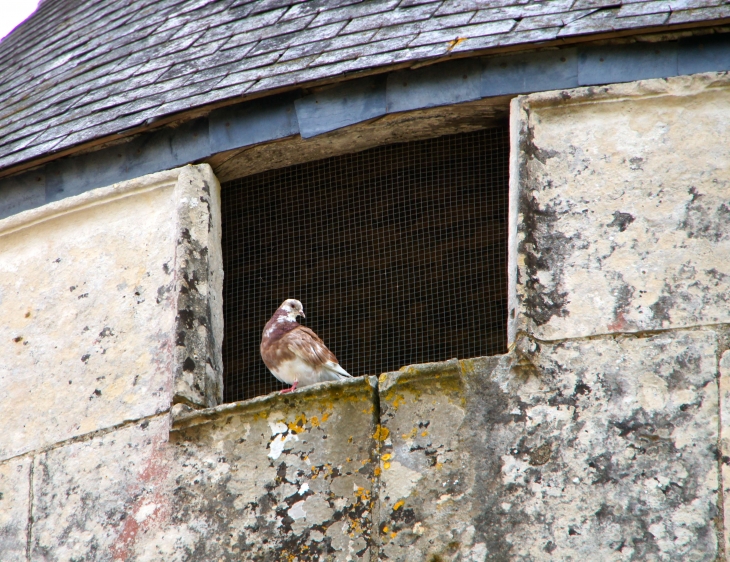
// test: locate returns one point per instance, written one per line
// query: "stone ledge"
(184, 417)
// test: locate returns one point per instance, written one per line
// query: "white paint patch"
(303, 489)
(278, 444)
(277, 426)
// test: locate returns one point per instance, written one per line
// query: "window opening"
(398, 253)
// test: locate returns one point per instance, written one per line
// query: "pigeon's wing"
(307, 345)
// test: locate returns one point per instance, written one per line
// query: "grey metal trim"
(606, 65)
(457, 82)
(340, 106)
(356, 101)
(536, 72)
(162, 150)
(252, 123)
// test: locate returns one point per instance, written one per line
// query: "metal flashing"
(435, 85)
(531, 72)
(640, 61)
(340, 106)
(163, 150)
(252, 123)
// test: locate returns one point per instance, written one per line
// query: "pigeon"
(293, 353)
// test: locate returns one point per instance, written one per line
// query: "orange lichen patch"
(366, 461)
(381, 433)
(386, 465)
(398, 505)
(349, 439)
(314, 420)
(355, 527)
(392, 535)
(325, 417)
(362, 494)
(387, 457)
(386, 529)
(424, 434)
(369, 410)
(411, 434)
(382, 378)
(297, 426)
(399, 400)
(439, 466)
(377, 471)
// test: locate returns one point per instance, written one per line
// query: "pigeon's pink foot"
(292, 389)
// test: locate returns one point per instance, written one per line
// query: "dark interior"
(398, 253)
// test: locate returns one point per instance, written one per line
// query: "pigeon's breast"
(296, 370)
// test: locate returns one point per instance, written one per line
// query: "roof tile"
(72, 74)
(416, 13)
(479, 30)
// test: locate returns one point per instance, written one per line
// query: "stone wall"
(602, 434)
(107, 299)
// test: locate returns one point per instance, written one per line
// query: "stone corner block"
(620, 212)
(198, 363)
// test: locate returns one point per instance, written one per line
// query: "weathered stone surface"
(427, 479)
(725, 443)
(92, 499)
(14, 508)
(198, 287)
(624, 219)
(88, 317)
(275, 478)
(111, 303)
(602, 449)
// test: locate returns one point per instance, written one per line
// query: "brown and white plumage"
(293, 353)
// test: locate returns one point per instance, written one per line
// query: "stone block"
(94, 498)
(281, 477)
(88, 313)
(198, 288)
(112, 308)
(624, 220)
(15, 475)
(602, 449)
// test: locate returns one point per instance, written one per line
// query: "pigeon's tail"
(335, 371)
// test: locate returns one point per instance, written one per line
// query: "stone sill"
(452, 370)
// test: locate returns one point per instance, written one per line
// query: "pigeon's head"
(292, 308)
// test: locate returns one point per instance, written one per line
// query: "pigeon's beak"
(301, 313)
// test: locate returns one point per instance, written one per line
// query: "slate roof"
(79, 70)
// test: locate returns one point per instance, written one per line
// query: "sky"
(13, 12)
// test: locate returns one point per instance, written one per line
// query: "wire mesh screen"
(398, 254)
